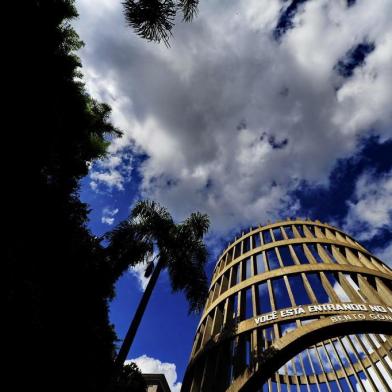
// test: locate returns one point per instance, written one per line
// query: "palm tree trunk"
(127, 343)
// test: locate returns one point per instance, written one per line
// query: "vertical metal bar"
(332, 367)
(374, 366)
(341, 365)
(322, 368)
(359, 359)
(359, 381)
(313, 369)
(380, 358)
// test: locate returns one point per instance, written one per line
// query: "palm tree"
(154, 19)
(178, 247)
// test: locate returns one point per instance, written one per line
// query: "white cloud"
(139, 269)
(112, 179)
(114, 170)
(341, 293)
(138, 272)
(205, 110)
(371, 209)
(376, 380)
(152, 365)
(108, 215)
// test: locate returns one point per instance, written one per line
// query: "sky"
(259, 110)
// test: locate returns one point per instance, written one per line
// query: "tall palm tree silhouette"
(178, 247)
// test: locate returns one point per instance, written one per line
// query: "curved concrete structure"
(295, 306)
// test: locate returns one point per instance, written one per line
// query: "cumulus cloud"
(231, 119)
(114, 170)
(370, 211)
(108, 215)
(152, 365)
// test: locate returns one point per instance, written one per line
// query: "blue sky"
(259, 110)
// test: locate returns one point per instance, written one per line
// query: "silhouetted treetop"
(130, 379)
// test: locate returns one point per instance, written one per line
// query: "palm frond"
(149, 209)
(181, 247)
(197, 291)
(198, 224)
(126, 247)
(188, 256)
(152, 221)
(151, 19)
(189, 9)
(187, 274)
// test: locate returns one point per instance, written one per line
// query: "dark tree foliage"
(154, 19)
(130, 380)
(57, 277)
